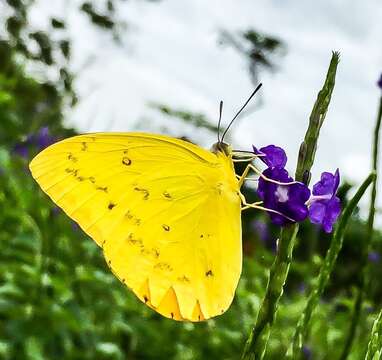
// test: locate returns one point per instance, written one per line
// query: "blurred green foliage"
(58, 298)
(260, 50)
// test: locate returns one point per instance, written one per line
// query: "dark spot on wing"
(71, 157)
(152, 252)
(183, 278)
(201, 235)
(102, 188)
(163, 266)
(111, 206)
(84, 146)
(126, 161)
(209, 273)
(71, 171)
(167, 195)
(145, 298)
(172, 315)
(145, 192)
(134, 241)
(155, 252)
(165, 227)
(92, 179)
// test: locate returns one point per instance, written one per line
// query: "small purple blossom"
(272, 156)
(21, 149)
(288, 201)
(307, 352)
(261, 230)
(324, 205)
(302, 288)
(40, 140)
(379, 82)
(43, 138)
(374, 257)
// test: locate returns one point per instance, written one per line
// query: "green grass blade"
(374, 348)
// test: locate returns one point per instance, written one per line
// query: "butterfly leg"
(258, 172)
(257, 205)
(241, 178)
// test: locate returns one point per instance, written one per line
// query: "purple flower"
(261, 229)
(307, 352)
(272, 156)
(324, 205)
(40, 140)
(374, 257)
(302, 288)
(289, 201)
(43, 138)
(379, 82)
(21, 149)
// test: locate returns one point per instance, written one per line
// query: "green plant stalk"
(374, 348)
(366, 248)
(302, 328)
(256, 344)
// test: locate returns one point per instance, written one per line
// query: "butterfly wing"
(165, 212)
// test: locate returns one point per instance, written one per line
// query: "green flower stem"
(256, 344)
(362, 285)
(374, 348)
(302, 328)
(309, 145)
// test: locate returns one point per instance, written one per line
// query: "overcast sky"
(171, 55)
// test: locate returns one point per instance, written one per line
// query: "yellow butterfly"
(166, 213)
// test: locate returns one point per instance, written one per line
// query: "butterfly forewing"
(165, 212)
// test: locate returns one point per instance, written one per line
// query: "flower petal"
(333, 210)
(288, 200)
(267, 188)
(336, 181)
(274, 156)
(317, 212)
(299, 193)
(327, 184)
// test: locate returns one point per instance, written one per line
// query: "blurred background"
(70, 66)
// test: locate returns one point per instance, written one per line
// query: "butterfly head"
(222, 147)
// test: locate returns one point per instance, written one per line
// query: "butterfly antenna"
(220, 118)
(241, 109)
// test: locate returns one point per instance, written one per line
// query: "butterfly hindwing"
(165, 212)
